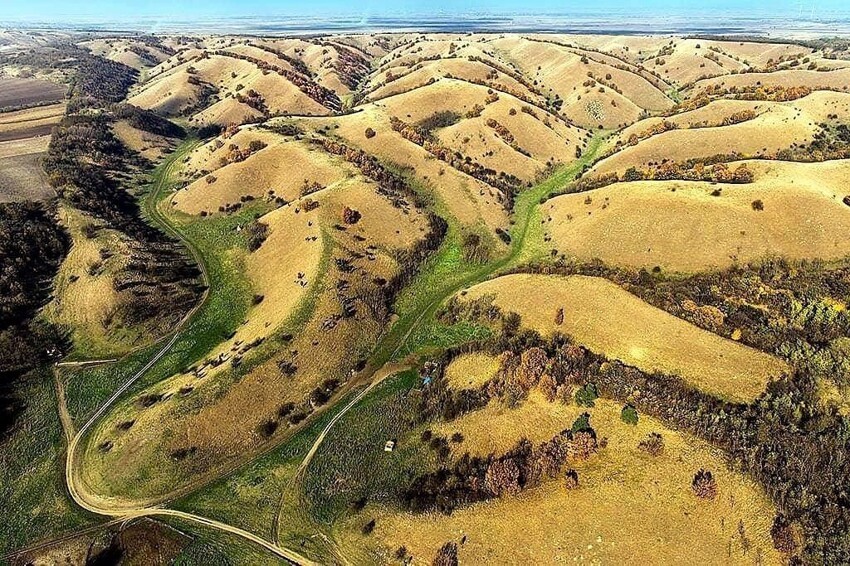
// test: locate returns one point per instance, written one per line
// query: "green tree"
(586, 395)
(629, 415)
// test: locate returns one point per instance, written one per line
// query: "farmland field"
(20, 93)
(424, 298)
(24, 137)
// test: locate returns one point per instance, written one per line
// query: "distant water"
(713, 23)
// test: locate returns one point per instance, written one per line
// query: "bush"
(758, 204)
(442, 119)
(704, 485)
(652, 444)
(629, 415)
(446, 556)
(474, 248)
(369, 133)
(571, 479)
(585, 396)
(784, 536)
(267, 428)
(284, 410)
(255, 234)
(559, 317)
(350, 216)
(581, 423)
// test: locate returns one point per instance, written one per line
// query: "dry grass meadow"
(340, 189)
(610, 321)
(629, 506)
(691, 226)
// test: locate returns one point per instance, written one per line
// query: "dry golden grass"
(221, 417)
(168, 91)
(611, 321)
(443, 68)
(629, 507)
(413, 50)
(710, 115)
(547, 144)
(561, 71)
(469, 371)
(838, 79)
(688, 61)
(320, 58)
(756, 54)
(283, 167)
(496, 428)
(118, 49)
(471, 201)
(446, 94)
(226, 111)
(87, 305)
(633, 83)
(680, 226)
(148, 145)
(208, 157)
(777, 126)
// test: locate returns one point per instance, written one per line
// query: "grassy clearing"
(31, 473)
(220, 249)
(445, 273)
(612, 322)
(212, 547)
(352, 464)
(630, 507)
(470, 371)
(249, 498)
(432, 336)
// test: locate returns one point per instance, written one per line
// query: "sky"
(127, 10)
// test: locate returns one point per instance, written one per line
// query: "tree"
(632, 174)
(629, 415)
(785, 538)
(446, 556)
(742, 174)
(704, 485)
(350, 216)
(532, 363)
(758, 204)
(549, 387)
(582, 423)
(652, 444)
(370, 133)
(559, 317)
(585, 396)
(571, 479)
(584, 445)
(502, 477)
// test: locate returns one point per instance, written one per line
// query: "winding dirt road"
(104, 507)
